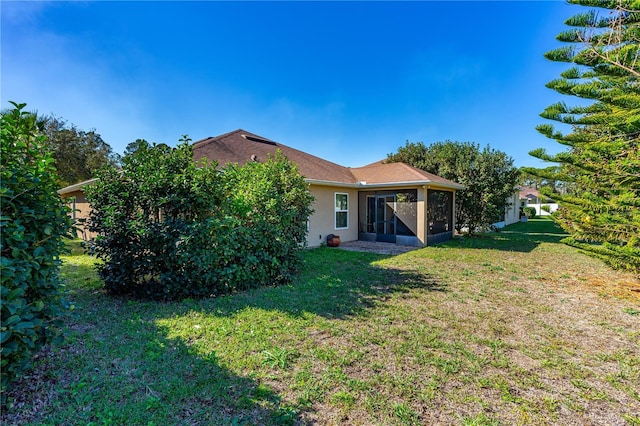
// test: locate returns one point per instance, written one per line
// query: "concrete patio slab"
(376, 247)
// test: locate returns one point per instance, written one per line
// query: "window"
(342, 210)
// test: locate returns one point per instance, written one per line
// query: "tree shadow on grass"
(520, 237)
(137, 362)
(118, 366)
(332, 284)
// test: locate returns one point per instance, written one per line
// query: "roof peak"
(240, 146)
(225, 135)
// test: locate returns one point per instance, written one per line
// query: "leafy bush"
(33, 222)
(169, 228)
(529, 212)
(141, 213)
(272, 200)
(546, 208)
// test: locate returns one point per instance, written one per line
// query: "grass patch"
(507, 328)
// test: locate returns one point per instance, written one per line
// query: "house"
(525, 197)
(390, 202)
(80, 209)
(531, 197)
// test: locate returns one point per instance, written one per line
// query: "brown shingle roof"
(385, 173)
(531, 193)
(240, 146)
(526, 192)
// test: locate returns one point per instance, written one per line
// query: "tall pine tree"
(601, 164)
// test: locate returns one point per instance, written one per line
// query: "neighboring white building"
(511, 210)
(525, 197)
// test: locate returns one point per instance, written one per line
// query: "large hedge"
(169, 228)
(33, 222)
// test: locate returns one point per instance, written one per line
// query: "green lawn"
(507, 328)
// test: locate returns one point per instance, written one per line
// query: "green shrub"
(529, 212)
(546, 208)
(34, 222)
(170, 229)
(141, 214)
(273, 201)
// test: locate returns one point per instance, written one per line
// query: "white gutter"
(383, 185)
(77, 186)
(416, 183)
(331, 183)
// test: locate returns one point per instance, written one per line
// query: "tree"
(601, 162)
(134, 146)
(33, 224)
(488, 175)
(273, 200)
(78, 154)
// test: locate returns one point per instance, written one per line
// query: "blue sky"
(346, 81)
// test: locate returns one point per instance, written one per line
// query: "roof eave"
(321, 182)
(383, 185)
(76, 187)
(412, 183)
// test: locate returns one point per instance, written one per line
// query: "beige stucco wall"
(80, 209)
(422, 216)
(322, 221)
